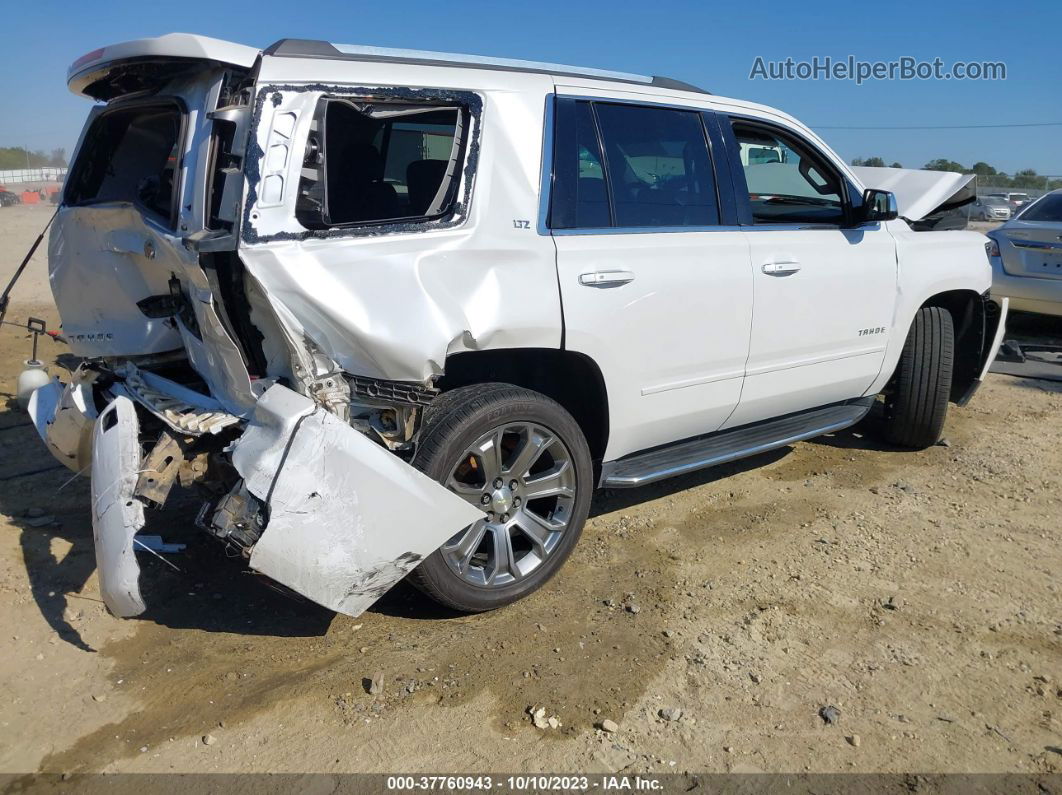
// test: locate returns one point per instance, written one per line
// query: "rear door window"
(631, 166)
(131, 154)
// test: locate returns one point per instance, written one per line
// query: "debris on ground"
(609, 726)
(539, 719)
(209, 739)
(671, 713)
(374, 685)
(854, 740)
(829, 714)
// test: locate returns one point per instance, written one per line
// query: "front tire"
(917, 404)
(521, 458)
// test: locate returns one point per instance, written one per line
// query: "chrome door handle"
(780, 268)
(605, 278)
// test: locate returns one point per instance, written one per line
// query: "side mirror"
(878, 205)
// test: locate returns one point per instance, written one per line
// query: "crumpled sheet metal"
(346, 518)
(117, 515)
(63, 415)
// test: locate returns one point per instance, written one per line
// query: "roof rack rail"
(311, 48)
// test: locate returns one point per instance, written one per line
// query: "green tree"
(943, 164)
(876, 162)
(982, 169)
(896, 165)
(19, 157)
(1027, 178)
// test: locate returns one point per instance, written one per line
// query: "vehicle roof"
(175, 47)
(310, 48)
(187, 46)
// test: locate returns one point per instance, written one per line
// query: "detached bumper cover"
(346, 518)
(117, 515)
(63, 415)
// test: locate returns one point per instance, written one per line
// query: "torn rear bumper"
(342, 519)
(117, 515)
(346, 518)
(63, 415)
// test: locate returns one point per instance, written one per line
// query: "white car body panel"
(335, 501)
(117, 516)
(672, 342)
(819, 333)
(63, 416)
(926, 268)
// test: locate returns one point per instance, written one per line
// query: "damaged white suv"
(398, 312)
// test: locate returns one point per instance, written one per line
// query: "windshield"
(130, 155)
(992, 201)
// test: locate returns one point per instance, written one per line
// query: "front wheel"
(917, 403)
(520, 458)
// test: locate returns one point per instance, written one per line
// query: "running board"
(718, 448)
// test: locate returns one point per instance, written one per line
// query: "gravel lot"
(711, 618)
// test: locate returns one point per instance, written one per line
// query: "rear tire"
(917, 405)
(474, 438)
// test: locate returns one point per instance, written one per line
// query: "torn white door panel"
(117, 515)
(347, 518)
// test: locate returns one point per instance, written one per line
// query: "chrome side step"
(729, 445)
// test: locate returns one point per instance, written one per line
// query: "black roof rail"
(311, 48)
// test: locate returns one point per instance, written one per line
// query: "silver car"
(1026, 254)
(989, 208)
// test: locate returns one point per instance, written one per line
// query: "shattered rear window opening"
(371, 163)
(131, 154)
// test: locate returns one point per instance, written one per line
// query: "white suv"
(403, 312)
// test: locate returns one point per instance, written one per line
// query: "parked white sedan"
(1026, 254)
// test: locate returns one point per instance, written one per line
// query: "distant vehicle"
(7, 198)
(990, 208)
(1026, 254)
(1015, 200)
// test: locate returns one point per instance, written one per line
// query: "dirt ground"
(917, 593)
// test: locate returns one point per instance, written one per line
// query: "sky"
(713, 45)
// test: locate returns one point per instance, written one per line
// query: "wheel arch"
(572, 379)
(974, 322)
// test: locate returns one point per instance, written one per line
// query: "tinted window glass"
(580, 197)
(787, 181)
(659, 170)
(1049, 208)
